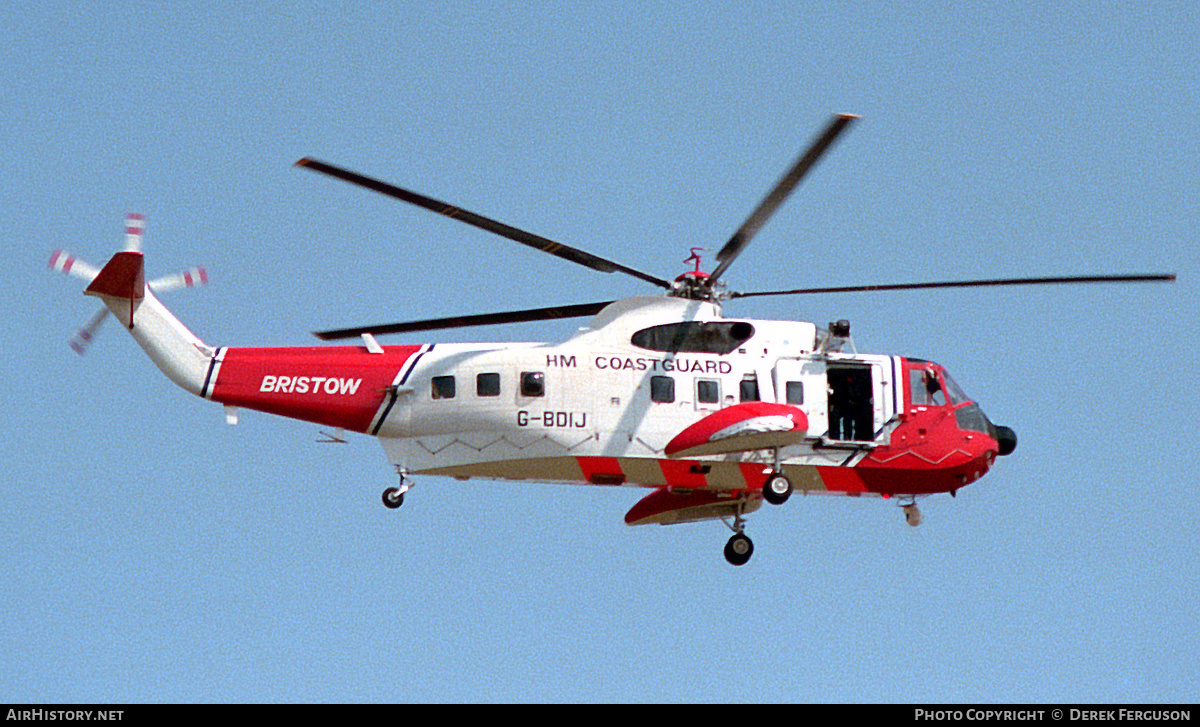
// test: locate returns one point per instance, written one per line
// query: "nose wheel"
(393, 498)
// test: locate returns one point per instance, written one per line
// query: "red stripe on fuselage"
(842, 479)
(338, 386)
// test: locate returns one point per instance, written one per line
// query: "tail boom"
(347, 387)
(177, 352)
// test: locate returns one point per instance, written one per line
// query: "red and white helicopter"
(712, 414)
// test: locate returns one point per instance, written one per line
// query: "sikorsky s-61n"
(712, 414)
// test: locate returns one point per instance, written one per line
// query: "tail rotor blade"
(135, 227)
(83, 337)
(66, 263)
(190, 278)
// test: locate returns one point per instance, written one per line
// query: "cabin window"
(533, 383)
(662, 389)
(443, 387)
(719, 337)
(708, 391)
(487, 385)
(794, 391)
(748, 388)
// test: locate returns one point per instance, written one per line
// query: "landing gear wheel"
(777, 489)
(912, 515)
(739, 549)
(393, 497)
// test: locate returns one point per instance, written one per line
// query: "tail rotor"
(135, 227)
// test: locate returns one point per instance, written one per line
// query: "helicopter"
(714, 415)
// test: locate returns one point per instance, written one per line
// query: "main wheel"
(739, 549)
(393, 498)
(777, 489)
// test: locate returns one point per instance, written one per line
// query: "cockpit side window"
(924, 387)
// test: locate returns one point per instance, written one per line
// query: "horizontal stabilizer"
(744, 427)
(667, 507)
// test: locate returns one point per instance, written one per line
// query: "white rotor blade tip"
(190, 278)
(195, 276)
(64, 262)
(135, 227)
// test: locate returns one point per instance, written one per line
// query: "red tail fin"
(122, 278)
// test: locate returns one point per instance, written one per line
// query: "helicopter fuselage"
(601, 407)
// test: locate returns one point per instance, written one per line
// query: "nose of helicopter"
(1007, 439)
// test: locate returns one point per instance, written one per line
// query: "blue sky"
(152, 553)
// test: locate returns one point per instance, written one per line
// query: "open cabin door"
(860, 401)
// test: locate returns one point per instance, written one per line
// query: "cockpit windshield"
(953, 390)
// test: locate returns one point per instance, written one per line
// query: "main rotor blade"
(525, 238)
(481, 319)
(1153, 278)
(727, 254)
